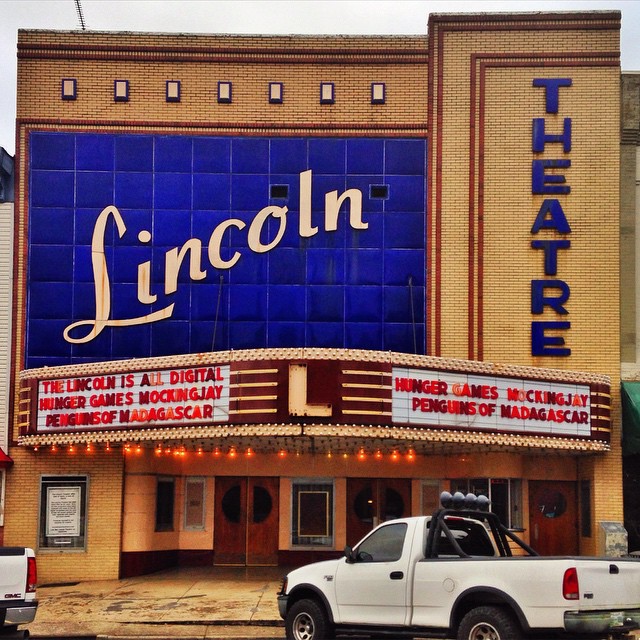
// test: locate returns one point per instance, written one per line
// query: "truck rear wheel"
(489, 623)
(306, 620)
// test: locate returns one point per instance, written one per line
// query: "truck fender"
(311, 591)
(479, 596)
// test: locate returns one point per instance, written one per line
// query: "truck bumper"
(282, 605)
(589, 622)
(22, 613)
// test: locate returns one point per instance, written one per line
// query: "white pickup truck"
(459, 574)
(18, 604)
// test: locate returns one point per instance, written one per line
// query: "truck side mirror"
(349, 555)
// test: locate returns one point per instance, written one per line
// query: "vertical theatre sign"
(551, 224)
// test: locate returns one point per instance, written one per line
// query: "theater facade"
(272, 290)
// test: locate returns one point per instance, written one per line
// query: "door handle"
(396, 575)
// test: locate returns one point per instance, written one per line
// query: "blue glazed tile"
(134, 153)
(169, 337)
(212, 191)
(130, 342)
(126, 260)
(405, 157)
(180, 299)
(400, 264)
(325, 334)
(51, 263)
(405, 231)
(251, 268)
(134, 190)
(82, 264)
(50, 226)
(249, 192)
(364, 266)
(52, 189)
(320, 186)
(286, 334)
(363, 335)
(212, 155)
(84, 224)
(172, 191)
(371, 237)
(365, 155)
(325, 266)
(205, 221)
(95, 152)
(404, 338)
(45, 339)
(250, 155)
(363, 304)
(50, 300)
(84, 302)
(287, 303)
(247, 335)
(398, 304)
(135, 220)
(327, 155)
(52, 151)
(363, 184)
(94, 189)
(325, 304)
(209, 299)
(171, 228)
(247, 302)
(288, 155)
(287, 266)
(124, 301)
(97, 349)
(202, 337)
(173, 154)
(406, 193)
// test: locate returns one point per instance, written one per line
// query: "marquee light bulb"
(282, 453)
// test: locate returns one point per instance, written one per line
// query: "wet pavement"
(198, 603)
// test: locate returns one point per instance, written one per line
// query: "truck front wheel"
(306, 620)
(489, 623)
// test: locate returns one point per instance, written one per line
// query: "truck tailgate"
(608, 583)
(13, 577)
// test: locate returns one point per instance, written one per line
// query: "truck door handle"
(396, 575)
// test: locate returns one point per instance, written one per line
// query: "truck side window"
(384, 544)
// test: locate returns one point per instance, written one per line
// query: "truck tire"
(307, 620)
(489, 623)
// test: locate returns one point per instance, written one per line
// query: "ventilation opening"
(380, 191)
(279, 190)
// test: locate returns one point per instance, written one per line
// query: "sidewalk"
(188, 603)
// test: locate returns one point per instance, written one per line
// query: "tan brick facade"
(467, 88)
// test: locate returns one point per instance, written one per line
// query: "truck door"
(373, 589)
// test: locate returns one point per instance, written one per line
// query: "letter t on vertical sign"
(298, 405)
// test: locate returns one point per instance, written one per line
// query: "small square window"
(327, 93)
(378, 91)
(173, 91)
(121, 90)
(69, 88)
(379, 191)
(224, 92)
(275, 92)
(279, 191)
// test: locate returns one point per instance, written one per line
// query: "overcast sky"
(265, 17)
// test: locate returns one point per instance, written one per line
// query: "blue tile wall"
(347, 288)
